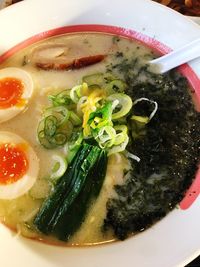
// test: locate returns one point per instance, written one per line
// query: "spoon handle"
(177, 57)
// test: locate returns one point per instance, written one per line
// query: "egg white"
(25, 78)
(23, 185)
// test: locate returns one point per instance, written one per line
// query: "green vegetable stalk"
(64, 211)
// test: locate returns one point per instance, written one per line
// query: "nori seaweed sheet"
(168, 146)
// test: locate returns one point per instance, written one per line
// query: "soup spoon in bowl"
(176, 58)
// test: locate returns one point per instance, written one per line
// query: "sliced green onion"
(67, 129)
(141, 119)
(121, 128)
(59, 167)
(123, 106)
(94, 79)
(132, 156)
(58, 139)
(67, 110)
(76, 92)
(82, 100)
(106, 136)
(119, 148)
(109, 77)
(44, 141)
(61, 113)
(121, 134)
(41, 126)
(116, 85)
(75, 118)
(50, 125)
(115, 103)
(62, 98)
(150, 101)
(93, 87)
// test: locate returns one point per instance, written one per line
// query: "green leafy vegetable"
(79, 185)
(101, 117)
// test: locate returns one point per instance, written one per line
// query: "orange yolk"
(11, 90)
(13, 163)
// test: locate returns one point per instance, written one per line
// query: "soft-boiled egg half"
(19, 166)
(16, 87)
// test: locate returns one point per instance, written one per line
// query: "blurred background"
(186, 7)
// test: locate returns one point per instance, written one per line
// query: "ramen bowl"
(147, 23)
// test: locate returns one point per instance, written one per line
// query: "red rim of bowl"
(194, 190)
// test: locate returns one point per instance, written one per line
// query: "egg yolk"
(13, 163)
(11, 90)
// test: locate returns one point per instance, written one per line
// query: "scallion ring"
(61, 98)
(50, 125)
(58, 139)
(59, 167)
(61, 113)
(123, 106)
(119, 148)
(44, 141)
(81, 101)
(75, 118)
(106, 137)
(116, 85)
(121, 134)
(150, 101)
(78, 91)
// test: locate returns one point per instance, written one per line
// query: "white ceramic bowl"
(195, 19)
(173, 241)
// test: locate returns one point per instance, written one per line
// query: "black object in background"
(194, 263)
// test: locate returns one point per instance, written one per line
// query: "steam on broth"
(115, 145)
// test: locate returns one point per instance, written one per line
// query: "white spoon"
(176, 58)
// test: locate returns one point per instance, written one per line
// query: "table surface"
(196, 262)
